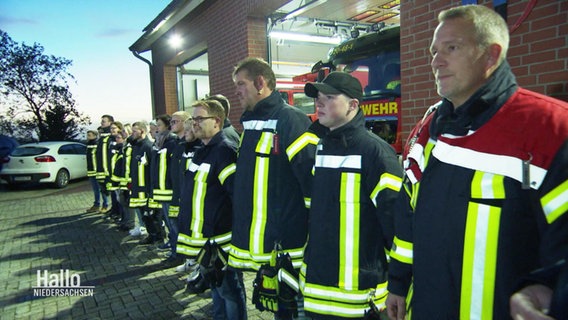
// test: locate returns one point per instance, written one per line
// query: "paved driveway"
(47, 230)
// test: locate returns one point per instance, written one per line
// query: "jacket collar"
(345, 134)
(265, 107)
(216, 139)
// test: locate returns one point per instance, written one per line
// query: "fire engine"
(374, 59)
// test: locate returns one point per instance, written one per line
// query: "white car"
(54, 162)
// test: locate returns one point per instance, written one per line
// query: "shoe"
(165, 246)
(171, 262)
(104, 210)
(93, 209)
(137, 231)
(147, 240)
(197, 286)
(189, 266)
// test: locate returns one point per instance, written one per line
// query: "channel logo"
(60, 284)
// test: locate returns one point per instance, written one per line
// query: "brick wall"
(538, 52)
(229, 31)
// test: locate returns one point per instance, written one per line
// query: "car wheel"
(62, 178)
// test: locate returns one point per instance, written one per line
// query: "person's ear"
(259, 84)
(353, 104)
(493, 53)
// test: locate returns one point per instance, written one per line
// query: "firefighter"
(102, 157)
(273, 176)
(486, 181)
(161, 187)
(356, 181)
(206, 212)
(92, 138)
(140, 177)
(114, 154)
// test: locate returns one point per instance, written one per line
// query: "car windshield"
(28, 151)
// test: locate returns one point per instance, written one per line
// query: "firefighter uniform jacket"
(102, 155)
(179, 162)
(140, 173)
(206, 205)
(485, 202)
(160, 164)
(116, 166)
(126, 180)
(273, 180)
(92, 158)
(356, 181)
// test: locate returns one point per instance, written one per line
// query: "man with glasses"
(206, 210)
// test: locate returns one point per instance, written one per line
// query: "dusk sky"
(95, 35)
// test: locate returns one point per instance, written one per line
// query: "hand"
(396, 306)
(531, 303)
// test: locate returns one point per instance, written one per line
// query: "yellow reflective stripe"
(191, 246)
(162, 198)
(301, 143)
(409, 301)
(244, 259)
(127, 161)
(93, 159)
(487, 185)
(349, 212)
(141, 175)
(416, 186)
(152, 203)
(555, 203)
(428, 150)
(182, 248)
(228, 171)
(402, 250)
(479, 261)
(138, 200)
(264, 144)
(105, 155)
(389, 181)
(162, 168)
(198, 202)
(162, 193)
(259, 210)
(308, 202)
(341, 302)
(173, 212)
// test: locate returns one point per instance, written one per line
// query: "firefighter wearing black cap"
(356, 181)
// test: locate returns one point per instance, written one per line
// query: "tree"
(36, 93)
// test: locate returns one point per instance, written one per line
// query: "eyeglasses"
(200, 119)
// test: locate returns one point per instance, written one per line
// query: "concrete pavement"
(47, 230)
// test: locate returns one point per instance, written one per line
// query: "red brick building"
(232, 30)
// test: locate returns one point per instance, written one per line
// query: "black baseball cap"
(336, 82)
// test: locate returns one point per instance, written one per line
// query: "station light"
(303, 37)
